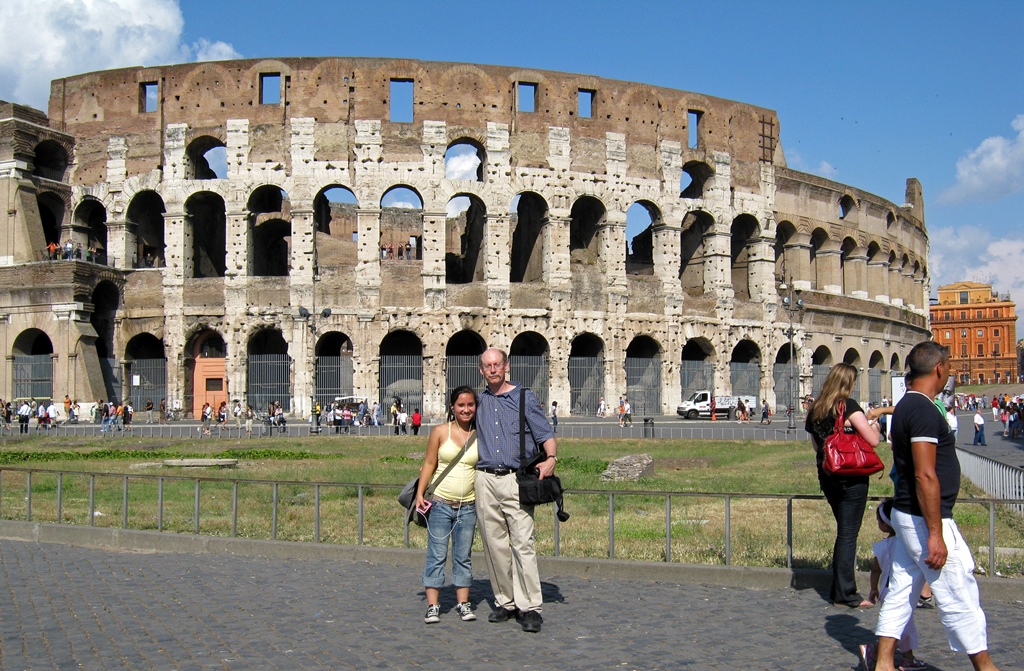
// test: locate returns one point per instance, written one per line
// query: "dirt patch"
(681, 464)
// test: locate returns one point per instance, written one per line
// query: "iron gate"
(746, 379)
(532, 371)
(148, 380)
(401, 377)
(33, 376)
(818, 374)
(111, 379)
(696, 376)
(876, 382)
(333, 378)
(643, 385)
(459, 370)
(586, 384)
(786, 387)
(268, 380)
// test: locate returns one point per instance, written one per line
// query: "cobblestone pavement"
(68, 607)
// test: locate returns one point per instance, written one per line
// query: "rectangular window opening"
(148, 97)
(693, 127)
(585, 104)
(270, 88)
(963, 297)
(981, 350)
(527, 96)
(401, 100)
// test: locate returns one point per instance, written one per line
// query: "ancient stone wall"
(637, 230)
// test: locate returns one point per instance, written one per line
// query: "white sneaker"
(433, 614)
(465, 611)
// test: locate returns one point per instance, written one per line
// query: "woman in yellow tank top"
(453, 504)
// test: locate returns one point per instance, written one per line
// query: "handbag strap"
(840, 417)
(433, 485)
(522, 426)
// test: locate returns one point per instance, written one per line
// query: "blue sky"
(868, 93)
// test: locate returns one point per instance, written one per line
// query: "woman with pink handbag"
(846, 495)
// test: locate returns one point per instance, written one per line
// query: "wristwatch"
(553, 457)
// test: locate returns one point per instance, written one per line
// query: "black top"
(917, 420)
(824, 428)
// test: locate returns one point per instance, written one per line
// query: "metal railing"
(995, 478)
(57, 490)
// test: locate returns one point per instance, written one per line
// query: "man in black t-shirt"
(930, 547)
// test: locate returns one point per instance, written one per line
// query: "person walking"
(554, 416)
(930, 547)
(417, 422)
(847, 496)
(506, 527)
(979, 428)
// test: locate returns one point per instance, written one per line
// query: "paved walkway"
(70, 607)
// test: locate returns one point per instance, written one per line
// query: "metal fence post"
(668, 527)
(728, 530)
(92, 499)
(789, 532)
(195, 505)
(234, 509)
(28, 496)
(359, 490)
(124, 503)
(316, 513)
(273, 516)
(60, 498)
(611, 525)
(160, 504)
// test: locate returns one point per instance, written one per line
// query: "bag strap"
(522, 426)
(840, 417)
(433, 485)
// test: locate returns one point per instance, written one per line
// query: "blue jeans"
(979, 434)
(459, 525)
(848, 498)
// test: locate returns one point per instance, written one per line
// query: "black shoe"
(531, 621)
(502, 615)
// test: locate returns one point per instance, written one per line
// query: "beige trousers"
(506, 530)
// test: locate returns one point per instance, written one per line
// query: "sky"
(868, 93)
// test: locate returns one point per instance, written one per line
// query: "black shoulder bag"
(532, 490)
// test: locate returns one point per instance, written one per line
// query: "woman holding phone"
(452, 505)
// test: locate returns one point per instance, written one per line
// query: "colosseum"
(300, 229)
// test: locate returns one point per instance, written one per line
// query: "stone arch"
(528, 357)
(334, 211)
(743, 234)
(146, 211)
(32, 342)
(462, 361)
(745, 369)
(473, 82)
(465, 223)
(334, 366)
(203, 155)
(642, 218)
(643, 366)
(268, 369)
(819, 272)
(846, 270)
(207, 216)
(586, 374)
(401, 370)
(145, 370)
(92, 216)
(465, 159)
(401, 222)
(32, 365)
(852, 357)
(847, 206)
(821, 363)
(205, 370)
(695, 228)
(587, 217)
(106, 300)
(784, 232)
(51, 215)
(144, 346)
(50, 160)
(528, 245)
(697, 366)
(694, 178)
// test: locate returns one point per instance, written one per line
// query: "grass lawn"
(698, 522)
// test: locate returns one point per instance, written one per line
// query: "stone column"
(368, 257)
(896, 284)
(119, 254)
(557, 271)
(828, 267)
(878, 279)
(855, 273)
(497, 251)
(798, 261)
(667, 249)
(718, 262)
(612, 254)
(761, 270)
(433, 273)
(238, 245)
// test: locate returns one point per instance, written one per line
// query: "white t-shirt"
(978, 419)
(953, 421)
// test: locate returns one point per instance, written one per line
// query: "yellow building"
(979, 328)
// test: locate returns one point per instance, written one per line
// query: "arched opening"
(106, 299)
(269, 370)
(695, 176)
(821, 364)
(586, 374)
(92, 216)
(697, 367)
(401, 224)
(528, 363)
(206, 158)
(462, 361)
(271, 243)
(846, 268)
(696, 226)
(742, 236)
(33, 363)
(818, 273)
(146, 212)
(51, 214)
(877, 378)
(852, 357)
(337, 227)
(586, 219)
(846, 206)
(207, 215)
(643, 376)
(745, 369)
(401, 371)
(464, 160)
(50, 161)
(205, 371)
(145, 370)
(334, 367)
(641, 219)
(464, 236)
(784, 233)
(786, 375)
(894, 365)
(530, 215)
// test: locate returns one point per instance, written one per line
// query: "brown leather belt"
(450, 503)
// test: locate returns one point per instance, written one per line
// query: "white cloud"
(462, 165)
(214, 51)
(457, 206)
(826, 169)
(993, 170)
(973, 253)
(40, 41)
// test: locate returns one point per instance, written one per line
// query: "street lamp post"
(792, 304)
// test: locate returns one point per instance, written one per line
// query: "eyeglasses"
(492, 366)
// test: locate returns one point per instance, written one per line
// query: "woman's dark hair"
(454, 396)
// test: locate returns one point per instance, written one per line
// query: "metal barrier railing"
(145, 480)
(995, 478)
